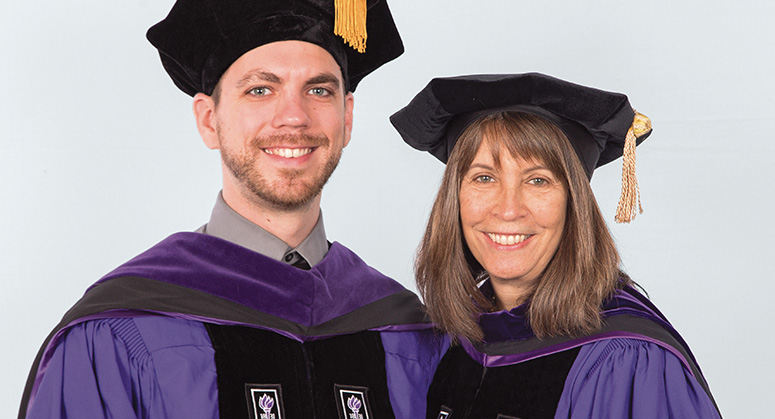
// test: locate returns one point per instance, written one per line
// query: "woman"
(518, 266)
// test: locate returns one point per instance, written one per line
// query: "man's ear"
(204, 113)
(349, 104)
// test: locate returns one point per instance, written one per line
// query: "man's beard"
(290, 191)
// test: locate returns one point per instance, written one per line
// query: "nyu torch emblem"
(264, 401)
(353, 402)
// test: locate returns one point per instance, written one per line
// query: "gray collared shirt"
(226, 224)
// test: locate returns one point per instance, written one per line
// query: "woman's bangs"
(524, 137)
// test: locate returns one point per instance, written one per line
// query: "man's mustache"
(290, 141)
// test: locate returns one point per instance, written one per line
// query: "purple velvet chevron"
(198, 261)
(512, 325)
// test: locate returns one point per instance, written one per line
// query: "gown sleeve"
(118, 368)
(631, 378)
(411, 359)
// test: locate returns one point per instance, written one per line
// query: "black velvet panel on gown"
(528, 390)
(258, 368)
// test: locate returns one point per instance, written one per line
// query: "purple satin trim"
(330, 289)
(510, 359)
(403, 327)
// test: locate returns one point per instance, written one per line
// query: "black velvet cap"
(200, 39)
(595, 121)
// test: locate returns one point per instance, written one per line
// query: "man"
(255, 315)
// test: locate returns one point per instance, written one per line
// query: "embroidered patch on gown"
(353, 402)
(264, 401)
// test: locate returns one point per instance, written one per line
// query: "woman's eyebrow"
(480, 166)
(537, 167)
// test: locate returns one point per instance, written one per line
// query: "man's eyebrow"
(258, 75)
(324, 78)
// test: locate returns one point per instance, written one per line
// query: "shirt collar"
(227, 224)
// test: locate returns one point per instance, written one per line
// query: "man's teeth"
(288, 153)
(504, 239)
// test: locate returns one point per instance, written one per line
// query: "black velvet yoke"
(526, 390)
(315, 379)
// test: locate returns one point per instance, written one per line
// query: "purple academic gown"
(137, 345)
(637, 366)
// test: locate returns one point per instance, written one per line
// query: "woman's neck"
(508, 294)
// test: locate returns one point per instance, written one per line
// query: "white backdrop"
(99, 156)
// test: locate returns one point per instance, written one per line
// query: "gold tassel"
(625, 210)
(350, 22)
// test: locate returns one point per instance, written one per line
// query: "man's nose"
(291, 110)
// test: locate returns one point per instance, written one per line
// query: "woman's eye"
(319, 91)
(539, 181)
(483, 179)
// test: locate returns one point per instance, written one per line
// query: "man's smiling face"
(282, 119)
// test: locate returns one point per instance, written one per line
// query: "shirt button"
(288, 257)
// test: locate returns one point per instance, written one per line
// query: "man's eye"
(259, 91)
(319, 91)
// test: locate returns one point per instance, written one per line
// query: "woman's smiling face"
(512, 214)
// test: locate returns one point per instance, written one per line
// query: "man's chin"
(288, 199)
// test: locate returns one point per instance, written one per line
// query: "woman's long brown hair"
(584, 270)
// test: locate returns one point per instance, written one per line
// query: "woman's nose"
(511, 204)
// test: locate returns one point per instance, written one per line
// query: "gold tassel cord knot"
(625, 210)
(350, 22)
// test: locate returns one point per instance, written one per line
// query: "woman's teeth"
(505, 239)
